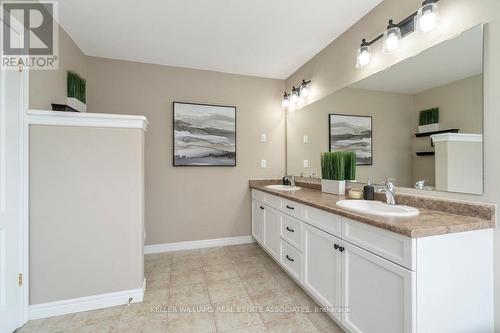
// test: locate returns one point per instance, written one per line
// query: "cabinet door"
(322, 266)
(272, 224)
(258, 221)
(379, 294)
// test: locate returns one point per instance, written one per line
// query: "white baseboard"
(200, 244)
(38, 311)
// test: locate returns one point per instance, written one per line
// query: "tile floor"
(219, 279)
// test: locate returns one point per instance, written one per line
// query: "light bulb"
(392, 43)
(364, 55)
(304, 91)
(294, 97)
(427, 17)
(286, 100)
(392, 38)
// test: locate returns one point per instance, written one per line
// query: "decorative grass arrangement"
(430, 116)
(76, 87)
(338, 165)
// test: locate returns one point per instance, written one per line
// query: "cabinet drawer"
(389, 245)
(325, 221)
(291, 231)
(268, 199)
(292, 260)
(292, 208)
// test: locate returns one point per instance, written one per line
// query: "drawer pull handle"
(335, 246)
(291, 259)
(262, 207)
(341, 249)
(290, 207)
(291, 230)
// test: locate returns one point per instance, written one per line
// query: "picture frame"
(203, 134)
(352, 132)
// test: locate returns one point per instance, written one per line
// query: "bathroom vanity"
(429, 273)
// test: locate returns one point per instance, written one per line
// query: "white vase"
(76, 104)
(333, 186)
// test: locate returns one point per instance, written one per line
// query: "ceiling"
(267, 38)
(452, 60)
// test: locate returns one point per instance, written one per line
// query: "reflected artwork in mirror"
(352, 133)
(427, 118)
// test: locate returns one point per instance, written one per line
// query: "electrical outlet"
(263, 137)
(306, 163)
(263, 164)
(306, 139)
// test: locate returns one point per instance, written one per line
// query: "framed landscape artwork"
(352, 133)
(204, 135)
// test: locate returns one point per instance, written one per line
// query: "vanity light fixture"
(392, 37)
(304, 88)
(427, 16)
(286, 100)
(295, 95)
(364, 55)
(291, 98)
(424, 20)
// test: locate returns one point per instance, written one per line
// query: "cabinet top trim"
(61, 118)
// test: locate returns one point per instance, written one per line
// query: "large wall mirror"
(421, 119)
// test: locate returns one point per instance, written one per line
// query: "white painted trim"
(200, 244)
(25, 201)
(457, 137)
(88, 303)
(61, 118)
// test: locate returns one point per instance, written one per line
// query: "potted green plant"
(336, 168)
(77, 94)
(428, 120)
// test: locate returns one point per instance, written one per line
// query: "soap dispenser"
(369, 191)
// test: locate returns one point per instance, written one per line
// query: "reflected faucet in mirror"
(420, 185)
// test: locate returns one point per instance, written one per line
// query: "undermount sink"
(378, 208)
(283, 187)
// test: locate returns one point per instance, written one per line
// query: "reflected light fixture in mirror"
(304, 88)
(427, 17)
(286, 100)
(364, 55)
(392, 38)
(295, 95)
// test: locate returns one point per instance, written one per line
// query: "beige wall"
(86, 211)
(334, 68)
(392, 131)
(460, 104)
(194, 203)
(48, 86)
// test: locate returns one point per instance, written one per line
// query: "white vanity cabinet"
(377, 280)
(380, 295)
(258, 221)
(272, 224)
(323, 267)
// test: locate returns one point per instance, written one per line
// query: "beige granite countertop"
(430, 222)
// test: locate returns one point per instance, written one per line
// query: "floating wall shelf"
(451, 130)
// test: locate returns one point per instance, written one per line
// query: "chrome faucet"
(420, 185)
(390, 191)
(291, 179)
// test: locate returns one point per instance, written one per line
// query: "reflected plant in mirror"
(443, 145)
